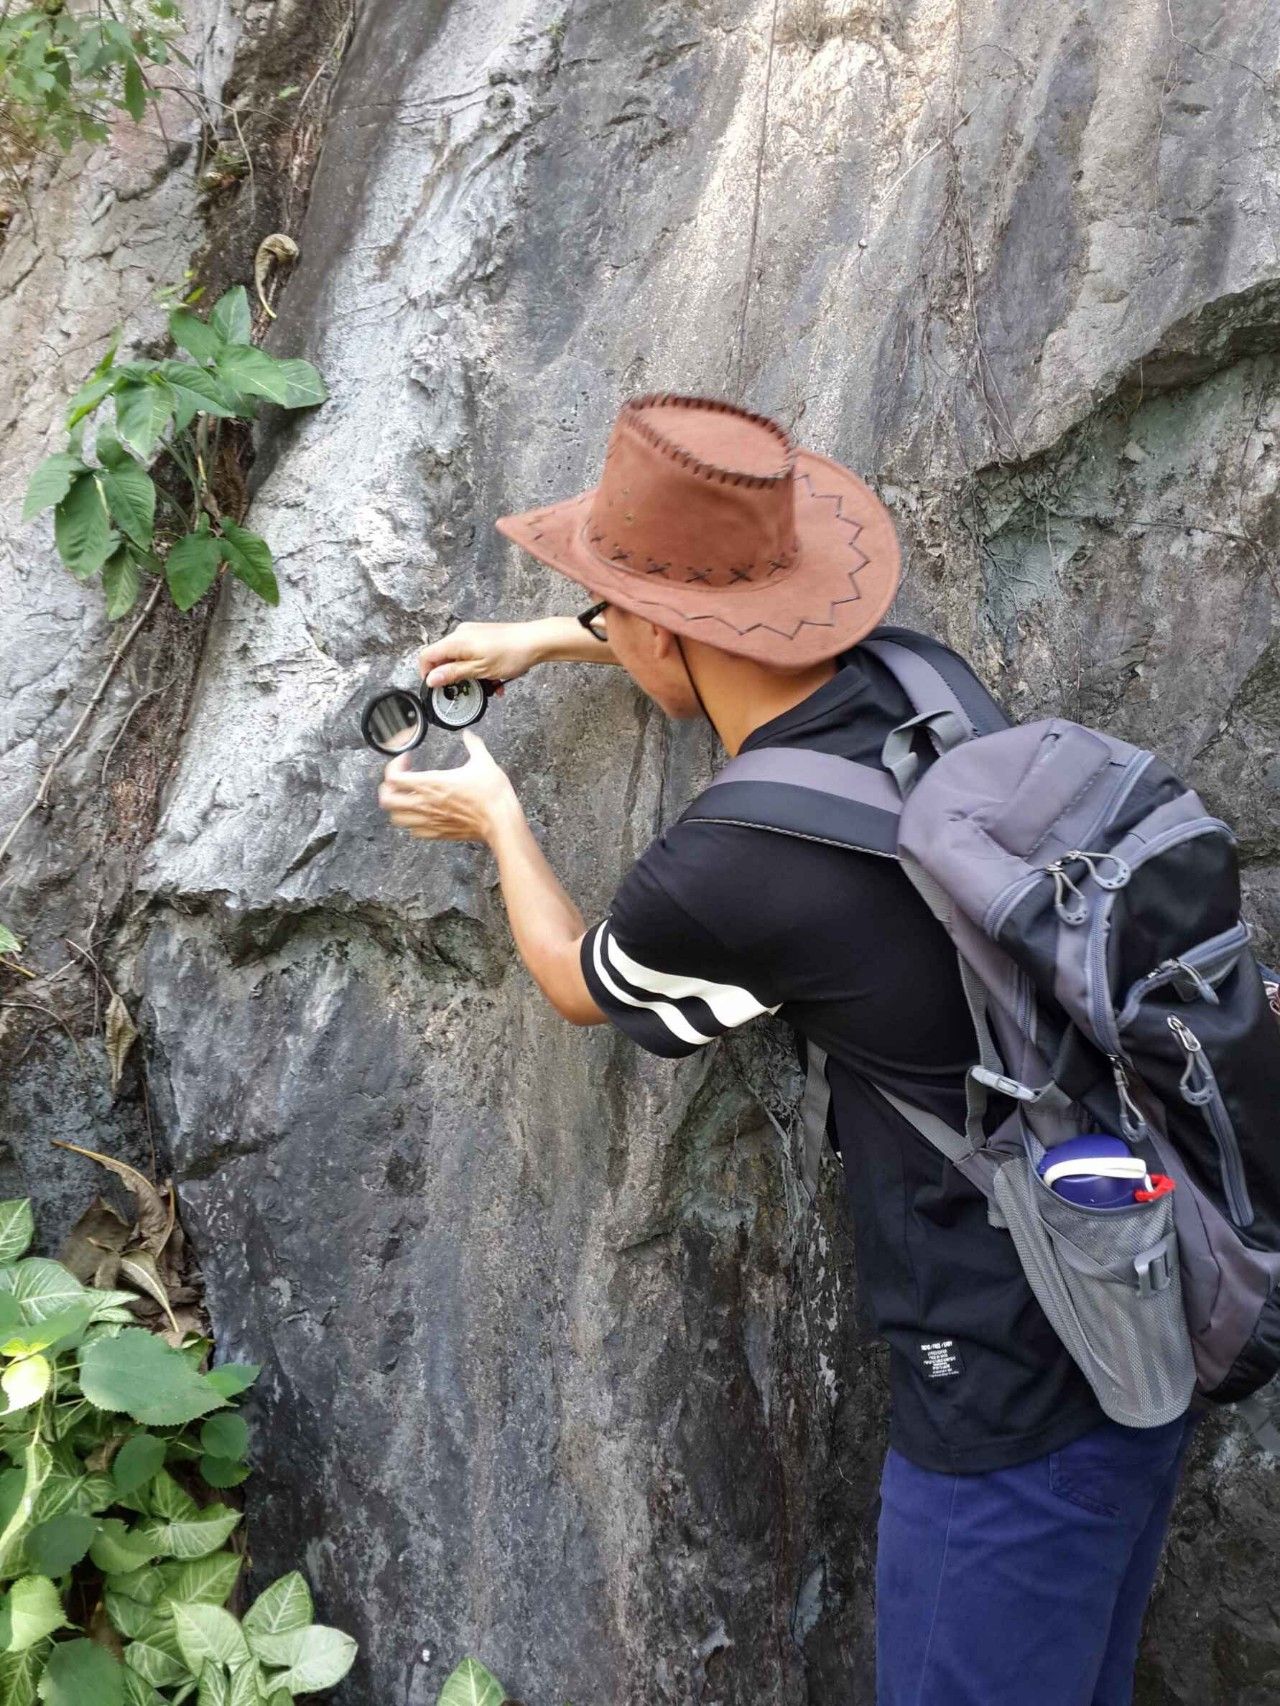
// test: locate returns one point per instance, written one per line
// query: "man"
(1019, 1530)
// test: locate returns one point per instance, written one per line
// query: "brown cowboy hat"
(709, 522)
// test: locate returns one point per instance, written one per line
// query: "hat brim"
(843, 579)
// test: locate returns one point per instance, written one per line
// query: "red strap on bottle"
(1161, 1186)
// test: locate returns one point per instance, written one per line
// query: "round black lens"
(393, 722)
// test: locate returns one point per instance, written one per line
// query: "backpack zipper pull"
(1093, 860)
(1181, 974)
(1062, 885)
(1132, 1120)
(1192, 1047)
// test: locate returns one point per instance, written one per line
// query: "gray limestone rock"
(560, 1369)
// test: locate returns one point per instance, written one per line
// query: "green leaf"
(202, 1581)
(223, 1471)
(89, 396)
(9, 943)
(81, 1673)
(138, 1373)
(196, 336)
(122, 582)
(304, 387)
(108, 356)
(232, 1378)
(323, 1656)
(135, 91)
(193, 1539)
(246, 1686)
(131, 497)
(51, 482)
(17, 1228)
(109, 450)
(191, 568)
(41, 1287)
(119, 1550)
(143, 410)
(137, 1692)
(144, 1585)
(282, 1607)
(249, 559)
(56, 1546)
(168, 1500)
(154, 1664)
(129, 1617)
(63, 1324)
(198, 392)
(31, 1611)
(82, 527)
(215, 1687)
(207, 1634)
(255, 373)
(19, 1674)
(225, 1436)
(138, 1460)
(471, 1685)
(25, 1383)
(230, 318)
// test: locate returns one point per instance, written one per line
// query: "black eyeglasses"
(589, 618)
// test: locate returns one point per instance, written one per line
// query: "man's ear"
(664, 642)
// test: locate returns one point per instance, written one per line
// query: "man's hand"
(502, 651)
(463, 804)
(482, 651)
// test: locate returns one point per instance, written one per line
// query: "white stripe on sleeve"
(730, 1004)
(671, 1017)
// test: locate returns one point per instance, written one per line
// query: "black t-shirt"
(716, 924)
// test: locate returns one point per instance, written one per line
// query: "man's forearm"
(563, 639)
(545, 923)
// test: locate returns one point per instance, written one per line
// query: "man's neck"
(741, 696)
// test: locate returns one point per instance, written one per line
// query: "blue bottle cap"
(1094, 1171)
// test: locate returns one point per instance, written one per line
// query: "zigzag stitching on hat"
(805, 621)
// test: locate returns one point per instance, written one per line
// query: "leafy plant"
(146, 505)
(472, 1685)
(116, 1561)
(64, 71)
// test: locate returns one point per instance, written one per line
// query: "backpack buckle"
(1154, 1267)
(1004, 1085)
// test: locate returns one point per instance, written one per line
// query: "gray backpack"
(1094, 905)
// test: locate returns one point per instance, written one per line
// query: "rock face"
(561, 1370)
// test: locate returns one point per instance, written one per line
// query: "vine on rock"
(147, 505)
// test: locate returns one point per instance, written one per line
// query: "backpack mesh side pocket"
(1109, 1282)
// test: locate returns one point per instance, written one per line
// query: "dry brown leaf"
(276, 248)
(139, 1268)
(101, 1632)
(104, 1275)
(186, 1321)
(99, 1228)
(155, 1210)
(121, 1035)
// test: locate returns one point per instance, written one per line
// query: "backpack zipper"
(1101, 1012)
(1208, 1098)
(1225, 948)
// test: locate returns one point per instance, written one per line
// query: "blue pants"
(1024, 1584)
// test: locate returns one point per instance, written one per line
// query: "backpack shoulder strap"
(814, 796)
(935, 678)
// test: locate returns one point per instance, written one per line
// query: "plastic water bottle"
(1097, 1171)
